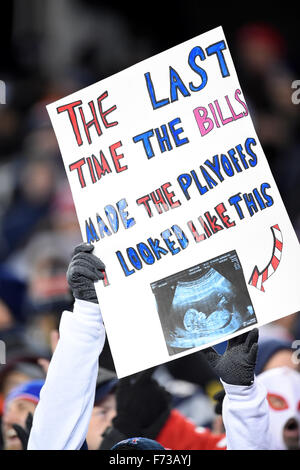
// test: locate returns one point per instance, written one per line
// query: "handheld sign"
(172, 186)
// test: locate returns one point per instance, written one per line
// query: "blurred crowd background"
(52, 48)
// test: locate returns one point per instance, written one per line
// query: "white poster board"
(172, 186)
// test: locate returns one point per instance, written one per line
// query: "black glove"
(23, 433)
(236, 366)
(143, 406)
(84, 269)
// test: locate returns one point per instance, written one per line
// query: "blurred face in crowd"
(282, 358)
(16, 412)
(283, 395)
(12, 380)
(102, 416)
(6, 319)
(260, 47)
(37, 181)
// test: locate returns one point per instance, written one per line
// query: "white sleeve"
(246, 417)
(63, 413)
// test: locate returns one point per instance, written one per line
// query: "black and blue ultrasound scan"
(203, 303)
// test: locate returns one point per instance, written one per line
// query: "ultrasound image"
(203, 303)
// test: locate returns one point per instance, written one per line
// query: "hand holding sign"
(84, 269)
(236, 366)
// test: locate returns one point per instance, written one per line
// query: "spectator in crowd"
(277, 370)
(284, 329)
(104, 409)
(29, 205)
(23, 366)
(266, 75)
(283, 394)
(18, 370)
(138, 443)
(158, 420)
(19, 406)
(12, 301)
(275, 353)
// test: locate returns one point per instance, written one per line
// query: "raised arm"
(62, 416)
(245, 408)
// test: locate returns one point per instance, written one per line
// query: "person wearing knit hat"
(19, 403)
(104, 408)
(273, 353)
(12, 299)
(138, 443)
(20, 368)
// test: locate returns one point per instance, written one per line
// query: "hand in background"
(23, 433)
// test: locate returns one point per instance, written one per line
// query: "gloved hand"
(143, 406)
(84, 269)
(236, 366)
(23, 433)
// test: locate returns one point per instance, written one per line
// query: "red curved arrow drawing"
(259, 277)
